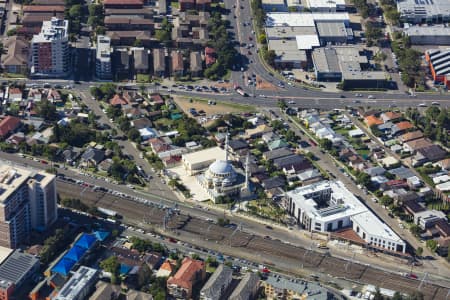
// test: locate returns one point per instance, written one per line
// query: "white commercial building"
(424, 11)
(328, 206)
(428, 35)
(103, 58)
(80, 285)
(50, 49)
(326, 5)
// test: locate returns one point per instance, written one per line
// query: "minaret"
(226, 147)
(246, 170)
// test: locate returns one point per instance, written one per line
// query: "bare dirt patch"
(262, 84)
(201, 104)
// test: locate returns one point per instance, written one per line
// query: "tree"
(262, 39)
(377, 295)
(134, 135)
(47, 110)
(223, 222)
(325, 144)
(416, 295)
(111, 265)
(144, 275)
(419, 251)
(270, 57)
(386, 200)
(432, 245)
(363, 179)
(415, 229)
(397, 296)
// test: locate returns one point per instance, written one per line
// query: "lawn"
(164, 122)
(143, 78)
(363, 152)
(174, 4)
(342, 131)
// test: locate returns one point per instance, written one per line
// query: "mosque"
(222, 180)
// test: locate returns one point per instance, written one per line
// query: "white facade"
(43, 208)
(80, 285)
(103, 58)
(50, 49)
(326, 5)
(328, 206)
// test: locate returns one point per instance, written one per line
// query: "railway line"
(233, 238)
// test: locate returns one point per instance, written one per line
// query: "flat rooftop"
(204, 155)
(76, 283)
(298, 19)
(331, 29)
(423, 8)
(287, 50)
(17, 266)
(437, 30)
(283, 32)
(11, 178)
(370, 223)
(325, 60)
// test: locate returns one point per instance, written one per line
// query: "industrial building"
(274, 5)
(348, 65)
(294, 35)
(80, 285)
(28, 201)
(329, 6)
(439, 62)
(217, 284)
(103, 66)
(15, 270)
(328, 206)
(424, 11)
(428, 35)
(50, 50)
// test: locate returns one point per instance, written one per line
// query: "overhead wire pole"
(423, 281)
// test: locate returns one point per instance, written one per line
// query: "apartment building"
(103, 58)
(190, 273)
(27, 201)
(50, 50)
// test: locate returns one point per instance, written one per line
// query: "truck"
(240, 91)
(107, 212)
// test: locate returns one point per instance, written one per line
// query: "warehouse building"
(332, 32)
(274, 5)
(424, 11)
(348, 65)
(328, 206)
(326, 5)
(439, 62)
(429, 35)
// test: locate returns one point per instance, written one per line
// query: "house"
(167, 268)
(277, 153)
(444, 164)
(195, 64)
(8, 126)
(177, 65)
(34, 95)
(159, 62)
(158, 145)
(432, 152)
(390, 116)
(355, 133)
(140, 56)
(375, 171)
(414, 145)
(202, 5)
(14, 95)
(393, 185)
(156, 99)
(372, 120)
(171, 161)
(92, 157)
(412, 207)
(129, 37)
(15, 60)
(309, 175)
(105, 165)
(273, 182)
(414, 182)
(410, 136)
(210, 56)
(118, 100)
(53, 96)
(190, 273)
(237, 146)
(277, 144)
(257, 132)
(147, 133)
(141, 123)
(71, 155)
(186, 5)
(401, 127)
(270, 137)
(16, 138)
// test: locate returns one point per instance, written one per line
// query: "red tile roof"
(372, 120)
(123, 2)
(8, 124)
(390, 115)
(157, 99)
(186, 275)
(210, 55)
(43, 8)
(409, 136)
(404, 125)
(118, 100)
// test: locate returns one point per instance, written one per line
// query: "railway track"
(248, 242)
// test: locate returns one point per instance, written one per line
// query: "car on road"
(422, 105)
(371, 97)
(435, 103)
(291, 102)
